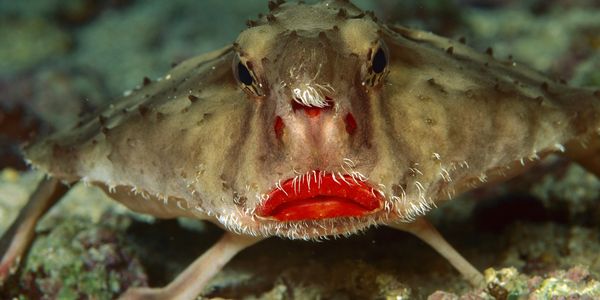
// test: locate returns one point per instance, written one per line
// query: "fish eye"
(243, 74)
(379, 61)
(375, 70)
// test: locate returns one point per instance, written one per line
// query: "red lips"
(314, 198)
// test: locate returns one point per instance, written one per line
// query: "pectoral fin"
(17, 239)
(586, 153)
(422, 229)
(190, 283)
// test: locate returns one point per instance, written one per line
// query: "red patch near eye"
(314, 198)
(279, 125)
(350, 124)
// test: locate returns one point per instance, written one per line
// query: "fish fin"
(194, 278)
(425, 231)
(586, 153)
(16, 240)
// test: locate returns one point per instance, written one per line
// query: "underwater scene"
(530, 234)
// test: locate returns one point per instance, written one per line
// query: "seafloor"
(536, 236)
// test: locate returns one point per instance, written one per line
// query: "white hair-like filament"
(312, 95)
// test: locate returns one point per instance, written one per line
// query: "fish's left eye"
(379, 61)
(376, 66)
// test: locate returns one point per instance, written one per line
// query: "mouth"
(320, 197)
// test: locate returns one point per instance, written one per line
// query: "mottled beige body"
(445, 119)
(441, 119)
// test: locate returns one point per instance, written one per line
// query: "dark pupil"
(379, 61)
(244, 74)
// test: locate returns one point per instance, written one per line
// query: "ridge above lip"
(320, 197)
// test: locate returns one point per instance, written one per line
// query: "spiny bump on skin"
(144, 110)
(146, 81)
(251, 23)
(160, 116)
(450, 50)
(470, 94)
(433, 83)
(237, 48)
(322, 35)
(342, 13)
(58, 150)
(271, 18)
(105, 130)
(539, 100)
(192, 98)
(273, 5)
(497, 88)
(359, 16)
(335, 28)
(102, 120)
(371, 14)
(545, 87)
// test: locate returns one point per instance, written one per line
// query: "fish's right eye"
(243, 74)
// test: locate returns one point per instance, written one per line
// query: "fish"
(319, 120)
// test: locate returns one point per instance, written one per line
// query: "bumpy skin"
(441, 119)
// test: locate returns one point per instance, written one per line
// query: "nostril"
(350, 124)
